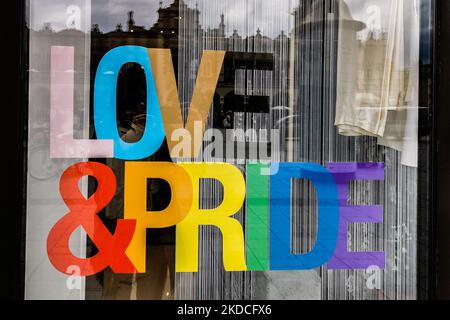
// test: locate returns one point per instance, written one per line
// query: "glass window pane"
(239, 149)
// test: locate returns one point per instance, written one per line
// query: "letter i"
(257, 222)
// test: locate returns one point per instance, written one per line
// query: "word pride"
(263, 190)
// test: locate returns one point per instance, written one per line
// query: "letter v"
(166, 87)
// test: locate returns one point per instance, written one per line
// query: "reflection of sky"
(358, 10)
(246, 16)
(270, 16)
(106, 13)
(54, 12)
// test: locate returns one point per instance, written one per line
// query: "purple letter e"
(344, 173)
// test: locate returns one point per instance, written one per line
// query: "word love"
(266, 243)
(164, 118)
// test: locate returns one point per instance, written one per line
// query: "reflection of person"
(227, 121)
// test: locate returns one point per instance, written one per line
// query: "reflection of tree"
(95, 28)
(119, 27)
(47, 27)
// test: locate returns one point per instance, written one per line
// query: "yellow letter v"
(166, 87)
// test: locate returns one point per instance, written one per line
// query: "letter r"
(232, 232)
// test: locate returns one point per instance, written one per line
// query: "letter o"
(105, 117)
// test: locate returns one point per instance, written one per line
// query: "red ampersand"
(83, 212)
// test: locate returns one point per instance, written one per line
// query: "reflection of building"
(163, 34)
(246, 84)
(243, 75)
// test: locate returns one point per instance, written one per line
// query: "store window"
(240, 149)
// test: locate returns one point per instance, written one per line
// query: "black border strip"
(426, 223)
(14, 109)
(442, 173)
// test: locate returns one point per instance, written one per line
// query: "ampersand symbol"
(83, 212)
